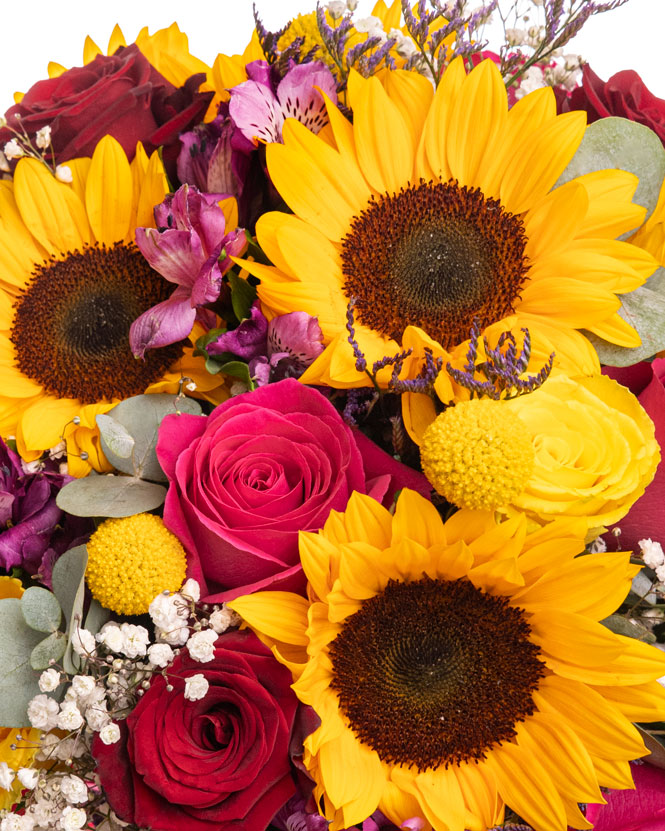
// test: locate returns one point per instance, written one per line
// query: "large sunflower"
(71, 283)
(459, 667)
(433, 208)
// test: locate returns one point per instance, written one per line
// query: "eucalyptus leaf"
(68, 580)
(110, 496)
(644, 309)
(621, 625)
(41, 609)
(243, 294)
(141, 416)
(626, 145)
(114, 436)
(50, 649)
(18, 680)
(96, 617)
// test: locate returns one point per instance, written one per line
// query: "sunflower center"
(434, 255)
(71, 325)
(435, 672)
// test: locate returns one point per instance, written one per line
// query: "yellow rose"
(595, 450)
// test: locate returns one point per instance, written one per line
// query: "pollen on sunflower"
(131, 560)
(477, 454)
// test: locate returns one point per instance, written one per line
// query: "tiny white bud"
(652, 553)
(64, 174)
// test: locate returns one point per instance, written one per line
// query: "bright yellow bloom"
(459, 667)
(435, 207)
(71, 283)
(477, 454)
(131, 560)
(595, 450)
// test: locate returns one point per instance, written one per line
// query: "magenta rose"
(121, 95)
(264, 465)
(642, 809)
(624, 95)
(215, 764)
(646, 519)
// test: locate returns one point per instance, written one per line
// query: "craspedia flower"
(477, 454)
(458, 667)
(131, 560)
(426, 186)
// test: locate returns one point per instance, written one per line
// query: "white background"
(34, 33)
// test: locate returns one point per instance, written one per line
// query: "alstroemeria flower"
(281, 348)
(186, 249)
(260, 105)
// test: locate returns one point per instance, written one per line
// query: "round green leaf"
(140, 417)
(50, 649)
(623, 144)
(18, 680)
(41, 609)
(110, 496)
(114, 436)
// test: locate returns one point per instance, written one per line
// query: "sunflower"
(71, 283)
(459, 667)
(433, 208)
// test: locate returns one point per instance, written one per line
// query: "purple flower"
(186, 248)
(260, 105)
(31, 532)
(281, 348)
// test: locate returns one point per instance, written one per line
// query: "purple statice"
(34, 532)
(281, 348)
(294, 816)
(192, 248)
(260, 105)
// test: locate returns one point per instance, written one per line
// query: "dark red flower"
(121, 95)
(646, 519)
(624, 95)
(215, 764)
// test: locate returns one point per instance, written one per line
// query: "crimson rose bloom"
(215, 764)
(263, 466)
(624, 95)
(122, 95)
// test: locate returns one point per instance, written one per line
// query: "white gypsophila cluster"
(43, 712)
(70, 718)
(191, 590)
(28, 777)
(73, 819)
(533, 79)
(170, 615)
(404, 45)
(43, 137)
(160, 655)
(336, 8)
(83, 643)
(7, 775)
(110, 733)
(222, 619)
(654, 557)
(74, 789)
(13, 150)
(124, 639)
(201, 645)
(15, 822)
(196, 687)
(49, 680)
(372, 26)
(63, 173)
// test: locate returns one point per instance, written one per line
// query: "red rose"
(262, 467)
(121, 95)
(221, 762)
(624, 95)
(646, 519)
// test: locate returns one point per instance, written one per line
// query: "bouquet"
(331, 412)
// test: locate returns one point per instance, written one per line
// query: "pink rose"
(263, 466)
(642, 809)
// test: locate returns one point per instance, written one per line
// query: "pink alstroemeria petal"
(176, 255)
(299, 98)
(167, 322)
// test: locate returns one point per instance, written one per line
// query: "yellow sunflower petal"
(108, 192)
(279, 615)
(51, 210)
